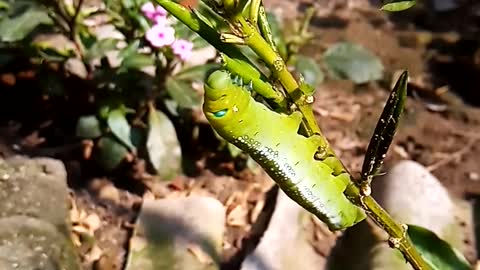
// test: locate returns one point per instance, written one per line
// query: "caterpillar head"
(225, 102)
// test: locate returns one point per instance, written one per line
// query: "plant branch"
(73, 21)
(397, 233)
(234, 59)
(395, 230)
(274, 61)
(253, 39)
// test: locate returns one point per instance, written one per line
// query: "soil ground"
(441, 127)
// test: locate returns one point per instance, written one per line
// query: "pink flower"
(160, 35)
(182, 48)
(156, 14)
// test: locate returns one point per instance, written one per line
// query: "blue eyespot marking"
(220, 113)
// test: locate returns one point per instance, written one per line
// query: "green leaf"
(6, 58)
(18, 27)
(101, 47)
(311, 72)
(398, 5)
(137, 136)
(109, 153)
(136, 61)
(4, 4)
(195, 73)
(119, 126)
(353, 62)
(128, 4)
(130, 49)
(51, 83)
(162, 145)
(209, 16)
(385, 130)
(183, 93)
(88, 127)
(439, 254)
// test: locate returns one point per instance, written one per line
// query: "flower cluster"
(162, 34)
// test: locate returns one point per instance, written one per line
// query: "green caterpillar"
(273, 141)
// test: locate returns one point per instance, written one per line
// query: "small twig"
(453, 156)
(73, 21)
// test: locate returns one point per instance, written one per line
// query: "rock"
(35, 188)
(412, 196)
(284, 245)
(180, 233)
(34, 227)
(30, 243)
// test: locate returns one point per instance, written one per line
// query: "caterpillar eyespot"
(220, 113)
(273, 141)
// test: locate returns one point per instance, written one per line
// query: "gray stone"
(34, 226)
(180, 233)
(29, 243)
(412, 196)
(35, 188)
(284, 245)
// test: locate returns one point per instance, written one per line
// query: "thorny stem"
(257, 43)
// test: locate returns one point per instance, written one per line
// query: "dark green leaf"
(101, 47)
(128, 4)
(172, 107)
(6, 58)
(53, 55)
(52, 83)
(130, 49)
(311, 72)
(18, 27)
(385, 129)
(196, 73)
(398, 5)
(209, 16)
(162, 145)
(136, 61)
(109, 153)
(183, 93)
(353, 62)
(438, 253)
(137, 136)
(88, 127)
(120, 127)
(104, 111)
(54, 45)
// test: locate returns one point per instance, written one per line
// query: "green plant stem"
(389, 225)
(236, 62)
(73, 21)
(274, 61)
(256, 42)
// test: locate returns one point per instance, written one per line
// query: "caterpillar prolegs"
(272, 140)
